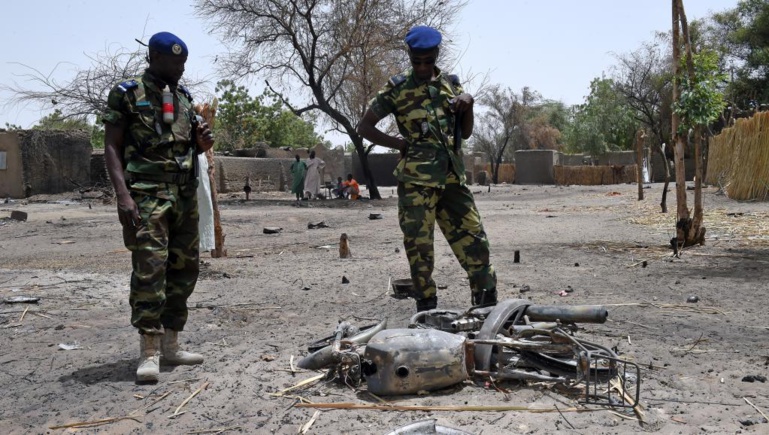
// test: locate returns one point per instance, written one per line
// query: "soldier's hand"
(463, 103)
(128, 212)
(204, 137)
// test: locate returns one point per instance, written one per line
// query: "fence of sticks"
(595, 175)
(738, 159)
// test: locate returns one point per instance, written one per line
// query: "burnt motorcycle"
(513, 340)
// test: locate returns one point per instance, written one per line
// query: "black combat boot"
(485, 298)
(426, 304)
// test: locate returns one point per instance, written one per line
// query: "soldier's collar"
(152, 81)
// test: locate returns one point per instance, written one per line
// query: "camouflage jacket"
(151, 146)
(425, 121)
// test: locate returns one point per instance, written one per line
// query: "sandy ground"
(259, 307)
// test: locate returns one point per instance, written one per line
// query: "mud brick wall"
(49, 161)
(266, 174)
(535, 166)
(594, 175)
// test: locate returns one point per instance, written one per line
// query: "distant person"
(298, 170)
(338, 190)
(433, 114)
(351, 188)
(151, 156)
(312, 179)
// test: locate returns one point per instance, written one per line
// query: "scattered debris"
(66, 346)
(345, 280)
(524, 288)
(344, 246)
(19, 215)
(64, 242)
(268, 358)
(692, 299)
(442, 286)
(754, 378)
(428, 426)
(576, 264)
(374, 216)
(563, 293)
(397, 250)
(21, 300)
(306, 427)
(305, 288)
(516, 256)
(569, 289)
(195, 393)
(402, 288)
(314, 225)
(644, 263)
(272, 230)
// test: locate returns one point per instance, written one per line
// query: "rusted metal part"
(407, 361)
(567, 314)
(520, 375)
(325, 357)
(495, 321)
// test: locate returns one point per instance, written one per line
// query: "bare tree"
(334, 54)
(505, 126)
(644, 78)
(85, 94)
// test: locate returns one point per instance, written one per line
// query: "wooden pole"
(682, 215)
(639, 146)
(208, 112)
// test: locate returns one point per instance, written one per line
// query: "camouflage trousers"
(165, 259)
(453, 207)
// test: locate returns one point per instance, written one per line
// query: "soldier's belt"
(180, 178)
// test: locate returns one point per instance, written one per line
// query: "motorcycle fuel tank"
(406, 361)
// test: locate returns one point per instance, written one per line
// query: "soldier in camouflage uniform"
(433, 115)
(151, 162)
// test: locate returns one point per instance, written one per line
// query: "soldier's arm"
(128, 212)
(464, 106)
(368, 130)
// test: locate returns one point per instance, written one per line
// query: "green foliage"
(701, 102)
(604, 122)
(741, 36)
(11, 127)
(57, 121)
(243, 120)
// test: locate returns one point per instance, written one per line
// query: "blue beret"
(423, 38)
(168, 43)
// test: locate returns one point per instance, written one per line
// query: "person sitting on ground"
(338, 191)
(351, 188)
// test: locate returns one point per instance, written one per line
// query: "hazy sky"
(556, 47)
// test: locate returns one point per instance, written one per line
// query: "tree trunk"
(694, 233)
(639, 146)
(683, 221)
(373, 190)
(495, 169)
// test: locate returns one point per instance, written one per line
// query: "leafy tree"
(700, 101)
(335, 54)
(740, 36)
(604, 122)
(243, 120)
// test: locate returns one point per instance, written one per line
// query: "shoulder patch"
(184, 91)
(398, 79)
(127, 85)
(454, 79)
